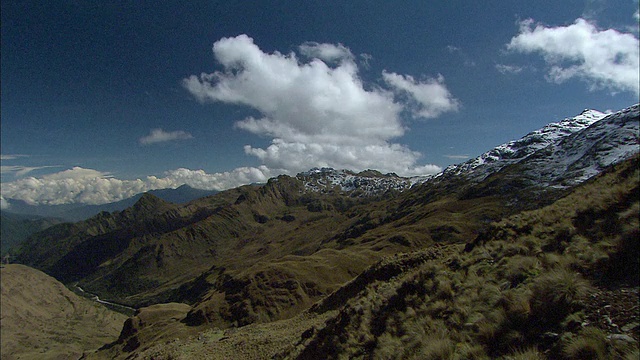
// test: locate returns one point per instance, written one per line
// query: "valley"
(503, 256)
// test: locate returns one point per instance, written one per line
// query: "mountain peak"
(589, 141)
(592, 112)
(150, 203)
(363, 184)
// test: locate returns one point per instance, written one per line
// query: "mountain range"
(337, 264)
(78, 211)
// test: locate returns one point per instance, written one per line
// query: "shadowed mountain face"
(258, 254)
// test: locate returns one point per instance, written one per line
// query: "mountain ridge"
(516, 150)
(79, 212)
(258, 254)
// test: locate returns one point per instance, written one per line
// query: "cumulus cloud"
(431, 95)
(284, 155)
(318, 112)
(199, 179)
(603, 58)
(88, 186)
(159, 135)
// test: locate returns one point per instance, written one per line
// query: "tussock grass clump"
(557, 294)
(527, 354)
(589, 344)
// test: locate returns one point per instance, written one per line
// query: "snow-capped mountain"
(365, 183)
(560, 154)
(517, 150)
(575, 158)
(568, 151)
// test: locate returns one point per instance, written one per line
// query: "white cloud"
(88, 186)
(19, 170)
(298, 156)
(159, 135)
(432, 97)
(219, 181)
(318, 113)
(466, 59)
(509, 69)
(365, 60)
(11, 156)
(457, 157)
(603, 58)
(325, 52)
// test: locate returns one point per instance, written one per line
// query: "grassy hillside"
(558, 282)
(42, 319)
(258, 253)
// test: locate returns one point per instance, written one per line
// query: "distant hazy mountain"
(77, 212)
(15, 228)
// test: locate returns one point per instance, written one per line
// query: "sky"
(101, 100)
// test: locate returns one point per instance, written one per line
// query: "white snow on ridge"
(560, 154)
(367, 183)
(584, 154)
(516, 150)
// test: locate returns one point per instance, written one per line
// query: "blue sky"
(103, 99)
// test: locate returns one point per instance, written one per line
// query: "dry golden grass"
(518, 290)
(41, 319)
